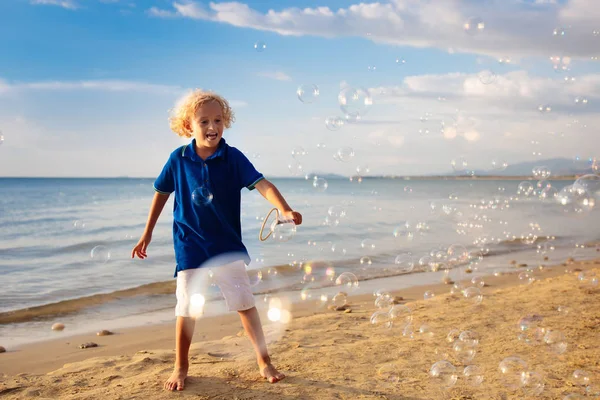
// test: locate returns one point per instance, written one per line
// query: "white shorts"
(232, 279)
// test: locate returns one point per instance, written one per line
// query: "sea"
(65, 244)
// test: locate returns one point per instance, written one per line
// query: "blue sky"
(85, 85)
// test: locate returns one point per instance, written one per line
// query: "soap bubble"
(541, 172)
(512, 368)
(487, 77)
(530, 330)
(428, 295)
(100, 254)
(202, 196)
(464, 352)
(367, 244)
(478, 282)
(260, 46)
(381, 318)
(283, 231)
(473, 375)
(556, 341)
(334, 123)
(526, 278)
(298, 152)
(345, 154)
(474, 25)
(548, 194)
(589, 183)
(320, 184)
(469, 337)
(296, 169)
(340, 300)
(459, 164)
(559, 32)
(403, 231)
(533, 383)
(457, 254)
(405, 262)
(473, 294)
(308, 93)
(355, 101)
(581, 377)
(452, 336)
(78, 224)
(499, 165)
(581, 100)
(444, 373)
(525, 188)
(347, 280)
(400, 315)
(544, 108)
(366, 260)
(254, 276)
(389, 373)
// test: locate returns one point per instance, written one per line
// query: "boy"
(207, 177)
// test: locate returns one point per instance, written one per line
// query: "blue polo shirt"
(205, 229)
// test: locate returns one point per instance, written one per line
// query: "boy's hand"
(141, 246)
(293, 215)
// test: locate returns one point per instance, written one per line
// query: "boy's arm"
(272, 194)
(158, 203)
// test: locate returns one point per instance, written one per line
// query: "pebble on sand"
(104, 332)
(513, 262)
(58, 327)
(87, 345)
(2, 349)
(397, 299)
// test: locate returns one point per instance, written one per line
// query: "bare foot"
(177, 379)
(271, 374)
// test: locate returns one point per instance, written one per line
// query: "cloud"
(102, 85)
(68, 4)
(510, 91)
(512, 27)
(277, 75)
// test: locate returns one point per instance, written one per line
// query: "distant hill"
(557, 166)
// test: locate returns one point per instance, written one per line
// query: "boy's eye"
(217, 120)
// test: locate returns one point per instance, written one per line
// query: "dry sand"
(329, 354)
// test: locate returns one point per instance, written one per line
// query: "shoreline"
(72, 306)
(60, 351)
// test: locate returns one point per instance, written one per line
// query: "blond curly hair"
(187, 106)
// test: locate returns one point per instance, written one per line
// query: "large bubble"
(355, 101)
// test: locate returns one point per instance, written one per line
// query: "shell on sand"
(87, 345)
(104, 332)
(2, 349)
(58, 327)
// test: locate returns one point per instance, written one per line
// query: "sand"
(331, 354)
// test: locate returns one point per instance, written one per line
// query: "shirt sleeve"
(249, 176)
(165, 183)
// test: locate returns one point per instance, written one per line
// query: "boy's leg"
(252, 326)
(234, 283)
(184, 331)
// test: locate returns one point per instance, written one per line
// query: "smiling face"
(207, 126)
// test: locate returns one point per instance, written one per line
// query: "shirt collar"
(188, 151)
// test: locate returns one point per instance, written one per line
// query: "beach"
(328, 354)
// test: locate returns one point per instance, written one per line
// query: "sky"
(86, 85)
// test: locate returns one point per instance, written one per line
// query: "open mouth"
(211, 136)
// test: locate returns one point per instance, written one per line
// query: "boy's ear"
(187, 126)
